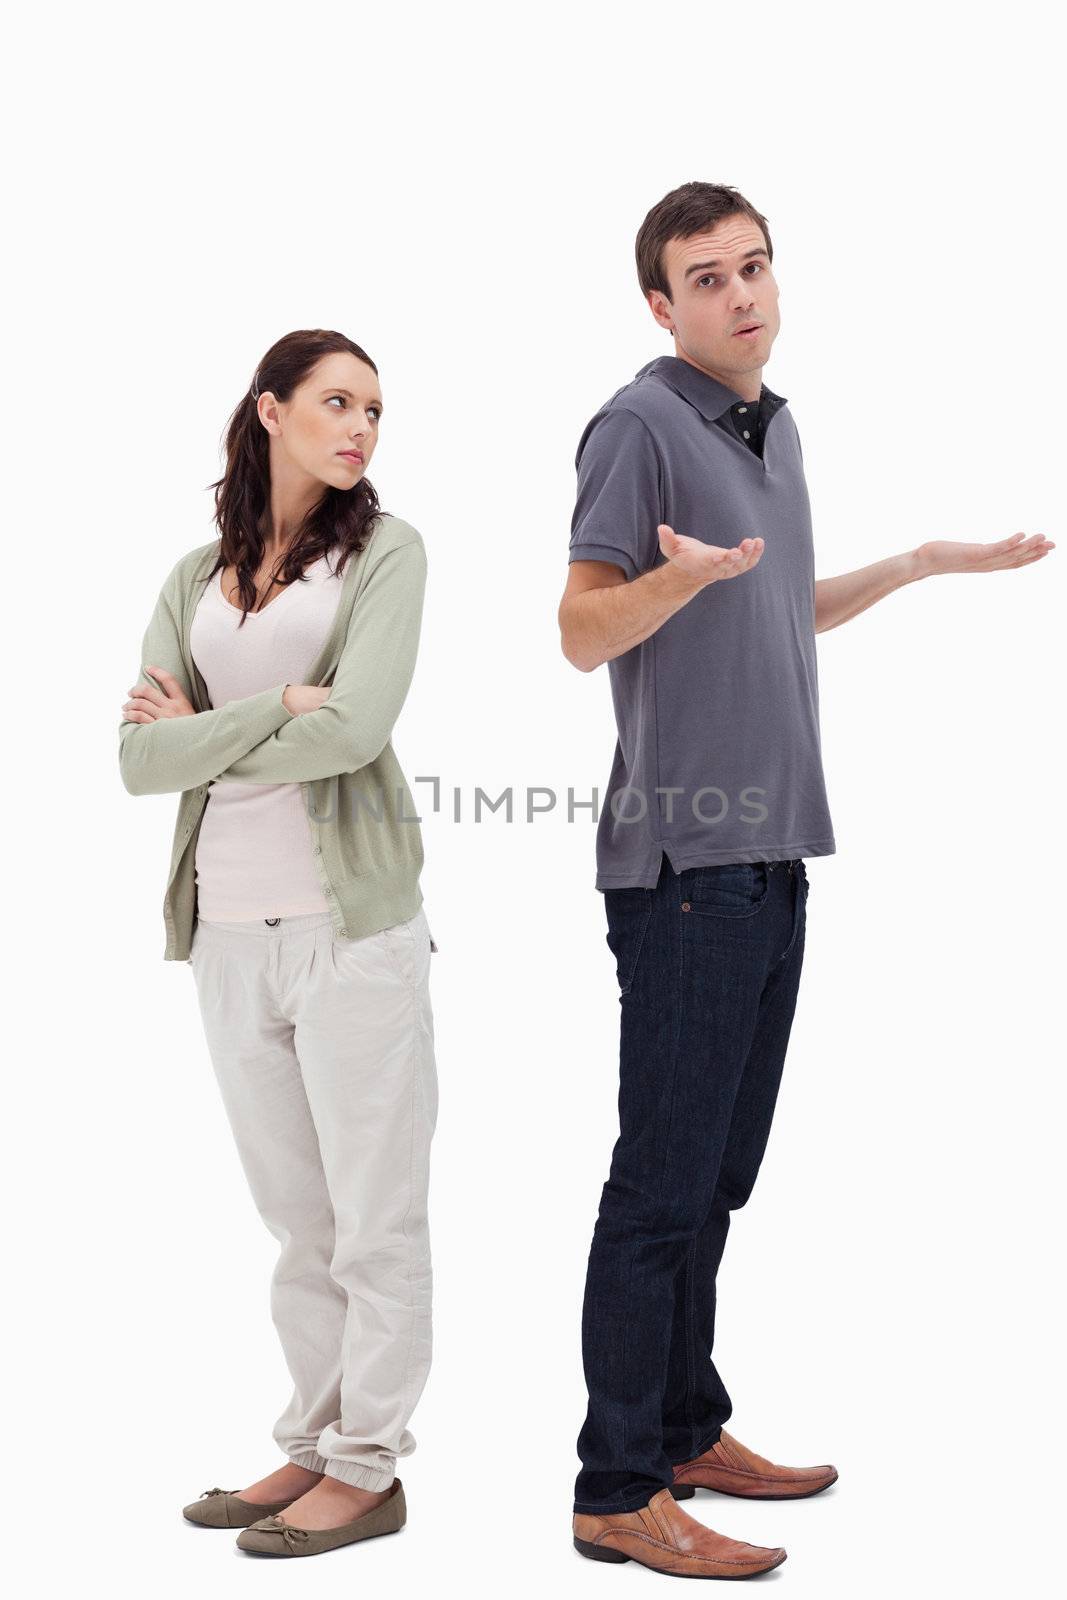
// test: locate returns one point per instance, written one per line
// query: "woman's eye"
(375, 410)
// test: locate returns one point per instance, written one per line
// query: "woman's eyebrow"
(336, 389)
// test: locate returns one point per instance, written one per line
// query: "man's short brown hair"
(693, 208)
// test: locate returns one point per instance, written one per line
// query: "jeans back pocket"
(629, 912)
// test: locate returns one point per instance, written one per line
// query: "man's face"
(721, 281)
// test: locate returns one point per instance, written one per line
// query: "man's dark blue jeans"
(709, 968)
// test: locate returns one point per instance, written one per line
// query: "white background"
(459, 192)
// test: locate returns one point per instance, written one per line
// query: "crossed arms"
(257, 739)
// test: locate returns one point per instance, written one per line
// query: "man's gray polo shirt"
(718, 756)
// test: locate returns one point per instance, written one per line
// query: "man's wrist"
(681, 585)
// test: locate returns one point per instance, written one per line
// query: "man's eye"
(709, 276)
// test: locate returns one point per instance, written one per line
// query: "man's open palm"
(948, 555)
(708, 561)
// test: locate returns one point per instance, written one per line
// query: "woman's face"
(328, 427)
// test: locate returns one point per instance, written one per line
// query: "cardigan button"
(686, 906)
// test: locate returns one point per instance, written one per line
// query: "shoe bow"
(290, 1534)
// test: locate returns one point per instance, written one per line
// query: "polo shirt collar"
(710, 397)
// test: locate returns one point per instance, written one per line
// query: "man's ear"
(660, 307)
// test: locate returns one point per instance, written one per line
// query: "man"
(691, 574)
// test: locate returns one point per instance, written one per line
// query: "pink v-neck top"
(253, 853)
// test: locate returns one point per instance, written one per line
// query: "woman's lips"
(351, 455)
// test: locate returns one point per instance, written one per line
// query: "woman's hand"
(149, 704)
(301, 697)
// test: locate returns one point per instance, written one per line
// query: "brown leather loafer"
(667, 1539)
(729, 1468)
(222, 1508)
(271, 1536)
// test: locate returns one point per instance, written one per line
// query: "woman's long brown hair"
(342, 517)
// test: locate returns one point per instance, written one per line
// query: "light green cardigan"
(366, 839)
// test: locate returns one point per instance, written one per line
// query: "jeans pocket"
(410, 946)
(629, 912)
(399, 943)
(371, 954)
(730, 889)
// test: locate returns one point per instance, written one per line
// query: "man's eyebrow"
(703, 266)
(350, 396)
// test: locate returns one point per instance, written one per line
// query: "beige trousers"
(324, 1052)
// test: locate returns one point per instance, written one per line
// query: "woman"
(274, 668)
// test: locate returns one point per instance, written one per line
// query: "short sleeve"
(619, 499)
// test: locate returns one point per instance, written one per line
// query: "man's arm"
(602, 615)
(618, 591)
(169, 754)
(371, 684)
(840, 599)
